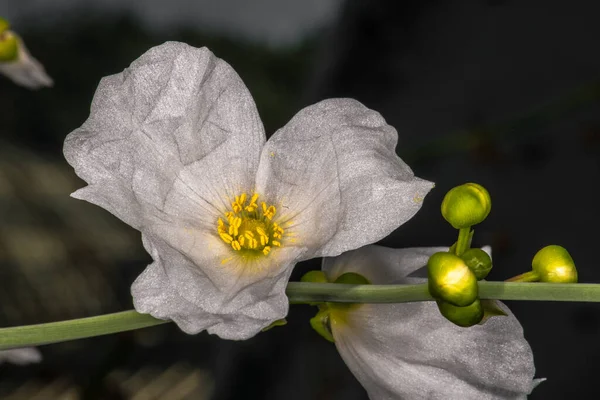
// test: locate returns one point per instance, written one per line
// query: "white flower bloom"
(22, 356)
(410, 351)
(24, 70)
(174, 147)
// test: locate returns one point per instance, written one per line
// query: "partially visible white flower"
(410, 351)
(22, 356)
(174, 146)
(17, 64)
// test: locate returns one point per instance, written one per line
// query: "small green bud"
(314, 277)
(451, 280)
(9, 46)
(466, 205)
(554, 264)
(4, 25)
(352, 278)
(478, 261)
(466, 316)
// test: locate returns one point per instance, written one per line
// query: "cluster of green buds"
(453, 275)
(9, 43)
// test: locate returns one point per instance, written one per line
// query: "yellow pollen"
(248, 228)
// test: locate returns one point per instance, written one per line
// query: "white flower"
(23, 69)
(22, 356)
(174, 147)
(410, 351)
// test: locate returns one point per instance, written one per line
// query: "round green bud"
(554, 264)
(352, 278)
(4, 25)
(451, 280)
(314, 277)
(466, 205)
(462, 316)
(9, 46)
(478, 261)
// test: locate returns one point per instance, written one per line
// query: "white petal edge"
(26, 71)
(335, 175)
(22, 356)
(173, 287)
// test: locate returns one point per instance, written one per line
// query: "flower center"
(249, 228)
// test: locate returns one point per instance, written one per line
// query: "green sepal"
(315, 276)
(352, 278)
(491, 309)
(478, 261)
(321, 324)
(279, 322)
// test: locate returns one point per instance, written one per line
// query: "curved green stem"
(298, 292)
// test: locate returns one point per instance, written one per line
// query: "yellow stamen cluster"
(250, 228)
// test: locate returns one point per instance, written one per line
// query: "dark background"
(502, 93)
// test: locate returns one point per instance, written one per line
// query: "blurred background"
(503, 93)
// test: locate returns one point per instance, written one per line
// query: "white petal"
(26, 70)
(335, 175)
(22, 356)
(176, 133)
(408, 350)
(234, 300)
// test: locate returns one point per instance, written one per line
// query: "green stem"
(463, 242)
(298, 292)
(54, 332)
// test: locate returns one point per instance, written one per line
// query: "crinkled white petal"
(176, 133)
(410, 351)
(234, 300)
(26, 70)
(168, 145)
(334, 173)
(22, 356)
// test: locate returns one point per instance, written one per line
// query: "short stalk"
(530, 276)
(463, 244)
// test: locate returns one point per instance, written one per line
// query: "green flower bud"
(466, 205)
(451, 280)
(478, 261)
(554, 264)
(314, 277)
(352, 278)
(4, 25)
(9, 46)
(462, 316)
